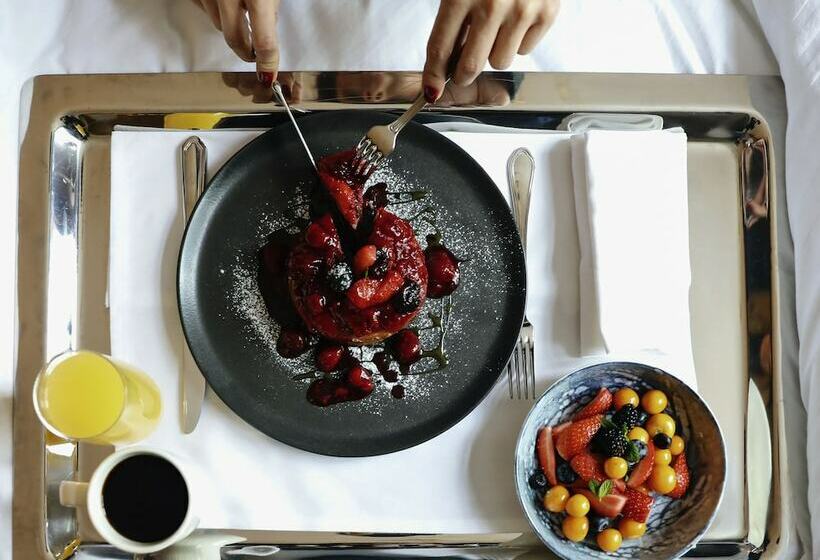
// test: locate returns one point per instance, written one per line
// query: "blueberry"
(538, 481)
(408, 298)
(642, 418)
(599, 524)
(565, 474)
(662, 441)
(339, 277)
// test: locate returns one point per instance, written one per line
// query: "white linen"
(88, 36)
(793, 29)
(632, 210)
(472, 467)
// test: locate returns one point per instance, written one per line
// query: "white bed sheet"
(90, 36)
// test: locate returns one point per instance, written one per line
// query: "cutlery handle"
(193, 160)
(396, 126)
(520, 173)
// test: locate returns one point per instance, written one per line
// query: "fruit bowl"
(674, 525)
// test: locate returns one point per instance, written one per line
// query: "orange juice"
(91, 397)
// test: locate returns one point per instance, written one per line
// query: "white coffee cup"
(90, 494)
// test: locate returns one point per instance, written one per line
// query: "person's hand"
(495, 30)
(257, 42)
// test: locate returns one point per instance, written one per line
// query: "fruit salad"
(355, 275)
(603, 469)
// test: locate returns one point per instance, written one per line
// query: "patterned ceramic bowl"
(674, 526)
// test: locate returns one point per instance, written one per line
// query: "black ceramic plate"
(263, 188)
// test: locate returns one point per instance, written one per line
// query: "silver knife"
(193, 159)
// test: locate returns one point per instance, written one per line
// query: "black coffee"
(145, 498)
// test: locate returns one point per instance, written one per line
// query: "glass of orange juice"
(86, 396)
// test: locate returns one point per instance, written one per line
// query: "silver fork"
(380, 141)
(520, 172)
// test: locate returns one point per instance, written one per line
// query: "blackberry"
(565, 474)
(609, 441)
(662, 441)
(538, 481)
(408, 298)
(627, 416)
(339, 277)
(379, 268)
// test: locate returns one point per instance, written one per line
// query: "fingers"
(484, 26)
(212, 10)
(235, 28)
(506, 44)
(443, 37)
(543, 22)
(265, 42)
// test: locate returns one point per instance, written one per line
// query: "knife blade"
(194, 157)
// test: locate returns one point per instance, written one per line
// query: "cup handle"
(73, 493)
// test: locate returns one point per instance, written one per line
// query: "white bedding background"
(700, 36)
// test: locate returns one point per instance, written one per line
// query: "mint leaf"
(604, 489)
(632, 454)
(607, 423)
(593, 487)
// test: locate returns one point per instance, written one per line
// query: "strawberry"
(546, 454)
(367, 292)
(598, 405)
(559, 428)
(637, 505)
(643, 469)
(682, 476)
(363, 259)
(575, 437)
(610, 505)
(588, 467)
(322, 234)
(342, 185)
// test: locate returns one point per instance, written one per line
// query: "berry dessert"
(355, 275)
(613, 460)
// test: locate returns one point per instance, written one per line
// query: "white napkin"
(631, 203)
(460, 481)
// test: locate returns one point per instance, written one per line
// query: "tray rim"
(714, 94)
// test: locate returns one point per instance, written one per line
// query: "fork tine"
(520, 360)
(509, 369)
(525, 368)
(532, 365)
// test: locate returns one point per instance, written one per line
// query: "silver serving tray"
(63, 245)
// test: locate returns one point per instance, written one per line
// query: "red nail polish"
(430, 94)
(265, 78)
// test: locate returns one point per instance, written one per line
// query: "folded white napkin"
(460, 481)
(631, 203)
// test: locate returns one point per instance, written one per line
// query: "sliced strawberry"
(598, 405)
(610, 505)
(575, 437)
(643, 469)
(364, 259)
(637, 505)
(546, 454)
(681, 475)
(343, 185)
(588, 467)
(556, 430)
(367, 292)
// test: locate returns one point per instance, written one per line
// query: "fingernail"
(265, 78)
(430, 94)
